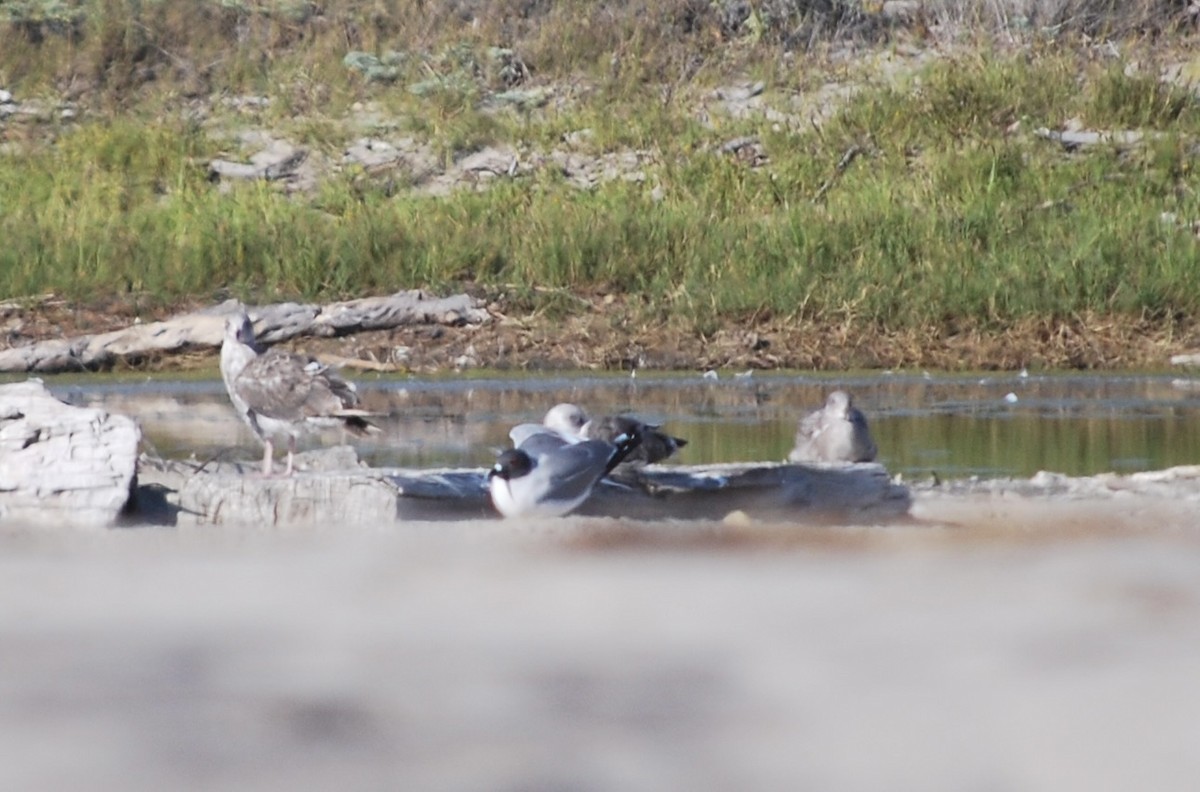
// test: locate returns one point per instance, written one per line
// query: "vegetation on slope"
(923, 200)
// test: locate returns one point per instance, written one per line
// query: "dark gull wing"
(655, 444)
(573, 469)
(865, 449)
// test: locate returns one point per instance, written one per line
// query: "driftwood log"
(336, 490)
(273, 323)
(62, 465)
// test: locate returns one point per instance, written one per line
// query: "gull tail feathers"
(356, 421)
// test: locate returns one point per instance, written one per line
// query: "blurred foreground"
(594, 654)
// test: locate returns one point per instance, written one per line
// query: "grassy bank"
(949, 212)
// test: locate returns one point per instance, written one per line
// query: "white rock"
(62, 465)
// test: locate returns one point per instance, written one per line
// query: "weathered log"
(273, 323)
(342, 491)
(62, 465)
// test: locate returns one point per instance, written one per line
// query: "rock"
(738, 143)
(579, 137)
(371, 153)
(747, 149)
(585, 171)
(901, 10)
(62, 465)
(5, 97)
(740, 93)
(278, 160)
(496, 160)
(247, 102)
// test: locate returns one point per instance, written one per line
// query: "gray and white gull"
(279, 394)
(835, 433)
(548, 474)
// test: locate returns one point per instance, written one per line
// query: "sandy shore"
(1029, 650)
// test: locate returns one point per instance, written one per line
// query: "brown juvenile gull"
(835, 433)
(570, 420)
(278, 393)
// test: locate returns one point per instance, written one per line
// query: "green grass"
(954, 212)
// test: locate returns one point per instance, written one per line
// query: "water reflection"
(953, 426)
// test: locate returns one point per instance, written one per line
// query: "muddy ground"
(605, 332)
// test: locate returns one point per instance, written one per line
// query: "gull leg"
(291, 454)
(268, 456)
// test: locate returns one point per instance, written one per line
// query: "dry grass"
(105, 49)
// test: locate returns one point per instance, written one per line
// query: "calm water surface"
(954, 426)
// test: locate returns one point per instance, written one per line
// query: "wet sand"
(582, 655)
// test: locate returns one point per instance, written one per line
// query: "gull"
(281, 394)
(570, 420)
(549, 475)
(835, 433)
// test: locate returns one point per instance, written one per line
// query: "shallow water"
(925, 424)
(488, 655)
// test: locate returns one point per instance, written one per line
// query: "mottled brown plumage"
(281, 394)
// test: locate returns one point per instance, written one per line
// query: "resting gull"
(281, 394)
(835, 433)
(570, 420)
(549, 475)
